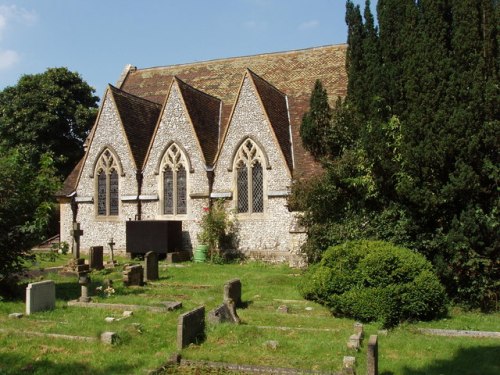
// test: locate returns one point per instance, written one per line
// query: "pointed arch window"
(174, 182)
(107, 185)
(249, 179)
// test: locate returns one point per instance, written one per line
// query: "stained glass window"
(181, 190)
(168, 191)
(101, 193)
(113, 193)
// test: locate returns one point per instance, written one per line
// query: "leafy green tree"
(315, 126)
(26, 196)
(49, 112)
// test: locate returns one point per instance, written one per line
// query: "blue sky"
(97, 38)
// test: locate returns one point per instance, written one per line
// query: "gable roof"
(291, 73)
(204, 112)
(139, 117)
(275, 105)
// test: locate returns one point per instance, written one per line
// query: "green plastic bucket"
(200, 254)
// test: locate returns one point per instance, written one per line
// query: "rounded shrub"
(375, 281)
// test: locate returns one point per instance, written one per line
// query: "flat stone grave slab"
(167, 306)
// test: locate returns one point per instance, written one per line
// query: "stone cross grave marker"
(76, 233)
(40, 296)
(96, 257)
(111, 244)
(151, 266)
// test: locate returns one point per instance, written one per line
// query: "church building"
(168, 140)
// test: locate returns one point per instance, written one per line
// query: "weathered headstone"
(133, 275)
(225, 313)
(191, 327)
(96, 260)
(372, 356)
(232, 291)
(151, 266)
(40, 296)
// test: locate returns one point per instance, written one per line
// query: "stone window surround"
(99, 166)
(162, 164)
(262, 158)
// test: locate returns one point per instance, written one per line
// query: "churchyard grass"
(308, 336)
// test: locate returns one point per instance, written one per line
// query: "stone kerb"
(96, 257)
(40, 296)
(151, 266)
(232, 291)
(191, 327)
(372, 356)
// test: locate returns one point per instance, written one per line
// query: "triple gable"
(139, 131)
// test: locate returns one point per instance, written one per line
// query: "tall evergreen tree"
(315, 126)
(422, 165)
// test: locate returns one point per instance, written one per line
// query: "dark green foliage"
(375, 281)
(26, 194)
(49, 112)
(417, 141)
(315, 126)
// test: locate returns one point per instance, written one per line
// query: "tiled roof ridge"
(144, 101)
(182, 82)
(235, 58)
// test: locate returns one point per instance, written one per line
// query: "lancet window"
(249, 179)
(174, 182)
(107, 185)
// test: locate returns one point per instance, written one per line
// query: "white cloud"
(308, 25)
(12, 13)
(8, 58)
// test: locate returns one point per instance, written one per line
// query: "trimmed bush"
(375, 281)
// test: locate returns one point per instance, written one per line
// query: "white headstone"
(40, 296)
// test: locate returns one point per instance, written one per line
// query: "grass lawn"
(308, 336)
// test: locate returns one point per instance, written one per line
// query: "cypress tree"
(316, 123)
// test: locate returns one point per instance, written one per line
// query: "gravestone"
(232, 291)
(372, 355)
(225, 313)
(133, 275)
(151, 266)
(191, 327)
(96, 260)
(40, 296)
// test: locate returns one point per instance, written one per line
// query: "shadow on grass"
(19, 365)
(482, 360)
